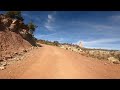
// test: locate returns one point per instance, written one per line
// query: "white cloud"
(50, 17)
(101, 27)
(101, 41)
(49, 24)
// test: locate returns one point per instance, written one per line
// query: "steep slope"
(14, 36)
(11, 42)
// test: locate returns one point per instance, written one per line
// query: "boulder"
(8, 56)
(2, 67)
(3, 63)
(15, 21)
(13, 27)
(24, 50)
(112, 59)
(6, 21)
(1, 58)
(116, 62)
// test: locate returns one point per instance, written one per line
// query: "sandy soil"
(50, 62)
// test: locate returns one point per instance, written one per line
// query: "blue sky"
(96, 29)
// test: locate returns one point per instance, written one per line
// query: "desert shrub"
(15, 15)
(56, 43)
(119, 57)
(32, 27)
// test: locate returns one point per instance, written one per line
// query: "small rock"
(16, 53)
(16, 58)
(116, 62)
(3, 63)
(20, 54)
(9, 72)
(112, 59)
(2, 67)
(24, 50)
(1, 60)
(32, 47)
(21, 58)
(105, 63)
(8, 57)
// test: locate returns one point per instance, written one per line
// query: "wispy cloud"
(50, 20)
(100, 43)
(115, 18)
(93, 25)
(103, 41)
(101, 27)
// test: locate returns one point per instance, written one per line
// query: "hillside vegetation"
(101, 54)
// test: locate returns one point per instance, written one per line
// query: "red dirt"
(11, 42)
(50, 62)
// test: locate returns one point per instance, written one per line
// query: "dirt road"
(50, 62)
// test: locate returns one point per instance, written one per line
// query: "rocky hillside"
(14, 37)
(101, 54)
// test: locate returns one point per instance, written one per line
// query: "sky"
(95, 29)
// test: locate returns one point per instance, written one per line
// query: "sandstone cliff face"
(14, 36)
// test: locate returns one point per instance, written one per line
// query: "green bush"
(32, 27)
(56, 43)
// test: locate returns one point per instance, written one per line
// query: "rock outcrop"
(101, 54)
(14, 37)
(71, 48)
(114, 60)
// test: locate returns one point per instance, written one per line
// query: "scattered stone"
(2, 67)
(1, 59)
(112, 59)
(24, 50)
(31, 47)
(16, 53)
(21, 58)
(13, 27)
(17, 59)
(8, 57)
(116, 62)
(3, 63)
(9, 72)
(20, 54)
(105, 63)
